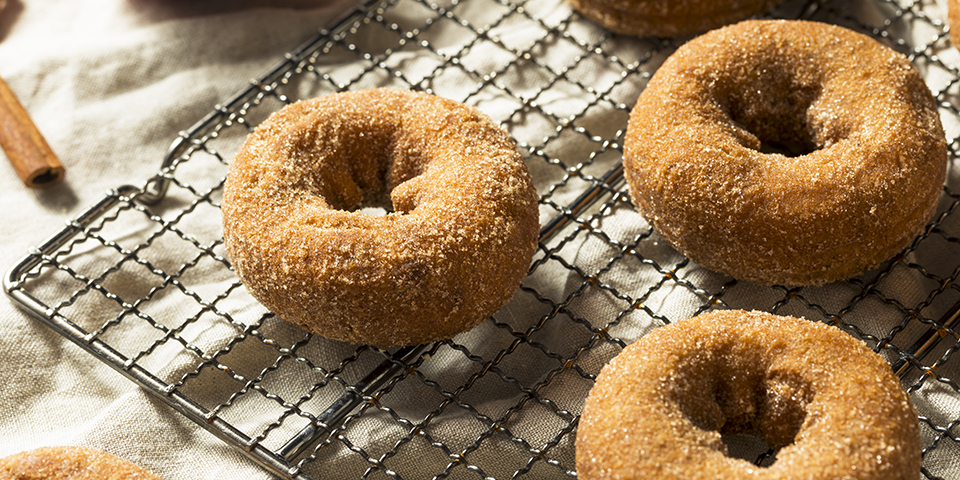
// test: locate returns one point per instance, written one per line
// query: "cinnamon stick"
(25, 147)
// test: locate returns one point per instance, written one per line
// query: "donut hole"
(750, 447)
(776, 116)
(759, 423)
(373, 195)
(384, 174)
(755, 409)
(758, 437)
(374, 210)
(792, 149)
(374, 203)
(378, 204)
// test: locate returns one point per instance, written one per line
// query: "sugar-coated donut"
(953, 21)
(668, 18)
(455, 245)
(70, 463)
(786, 152)
(831, 405)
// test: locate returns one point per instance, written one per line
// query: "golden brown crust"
(953, 20)
(453, 252)
(832, 406)
(668, 18)
(871, 181)
(70, 463)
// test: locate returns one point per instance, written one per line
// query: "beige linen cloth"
(111, 83)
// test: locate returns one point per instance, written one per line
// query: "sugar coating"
(831, 405)
(953, 18)
(456, 245)
(668, 18)
(70, 463)
(873, 163)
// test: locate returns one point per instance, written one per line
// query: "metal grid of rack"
(140, 280)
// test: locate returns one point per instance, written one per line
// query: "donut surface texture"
(831, 405)
(455, 245)
(786, 152)
(668, 18)
(70, 463)
(953, 20)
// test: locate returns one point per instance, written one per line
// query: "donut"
(456, 241)
(953, 21)
(786, 152)
(832, 406)
(70, 463)
(668, 18)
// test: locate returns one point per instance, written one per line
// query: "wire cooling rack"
(140, 280)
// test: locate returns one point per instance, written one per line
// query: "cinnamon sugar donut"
(786, 152)
(455, 245)
(70, 463)
(832, 406)
(668, 18)
(953, 20)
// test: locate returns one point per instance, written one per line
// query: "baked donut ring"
(860, 164)
(668, 18)
(953, 21)
(831, 405)
(456, 245)
(70, 463)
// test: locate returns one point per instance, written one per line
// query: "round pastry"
(457, 239)
(70, 463)
(832, 407)
(953, 21)
(786, 152)
(668, 18)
